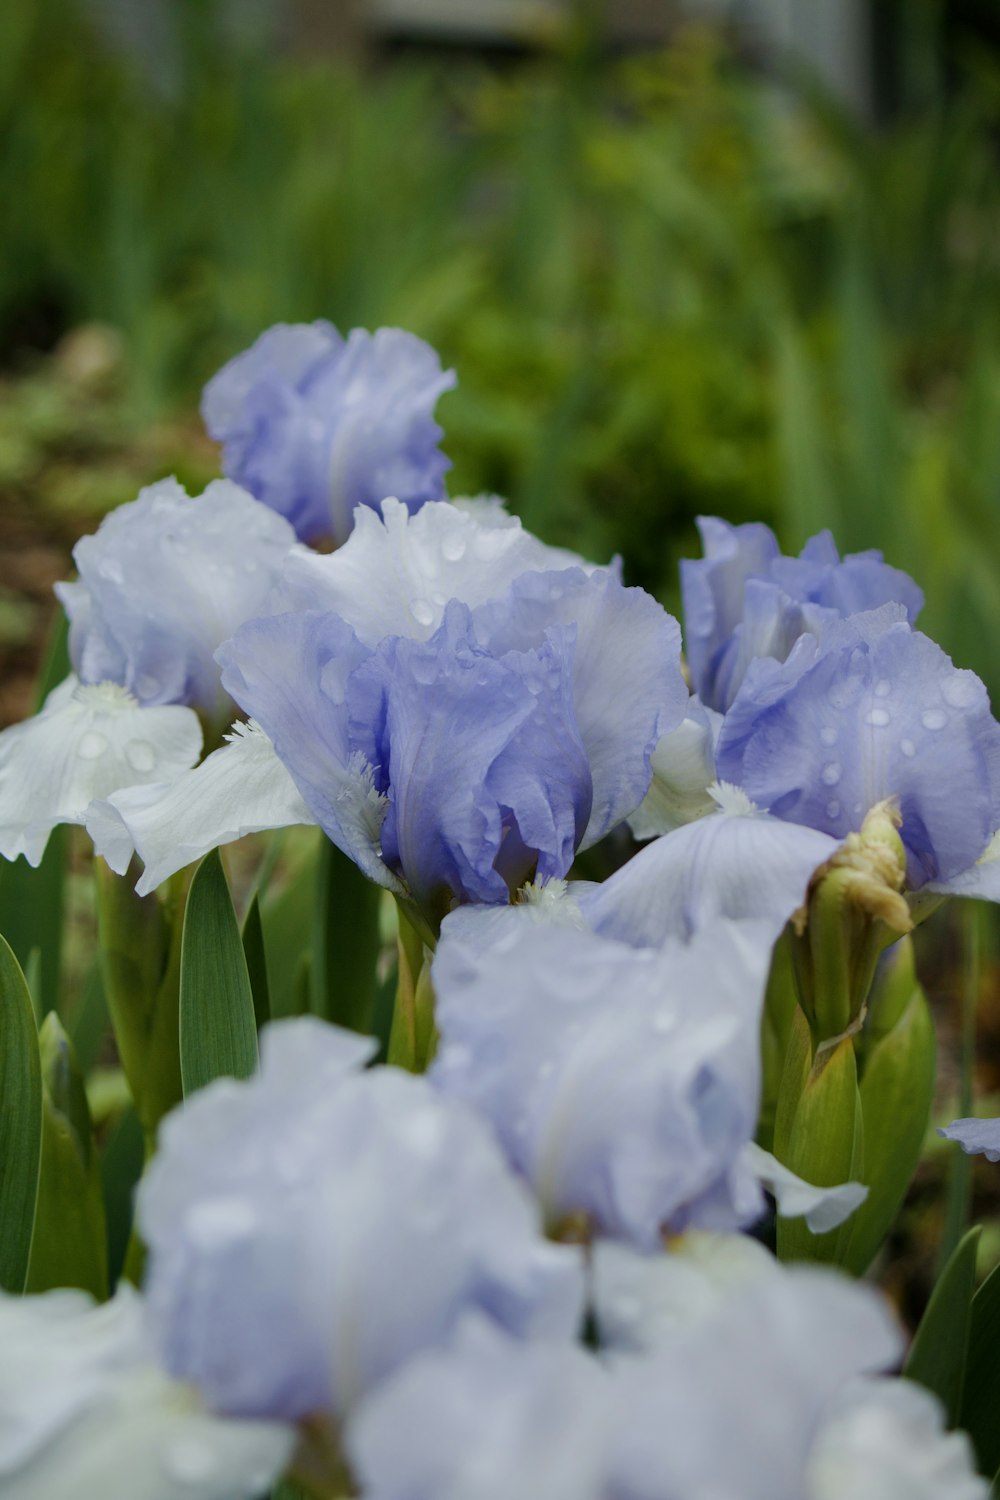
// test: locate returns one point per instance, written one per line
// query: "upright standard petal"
(85, 1411)
(397, 571)
(242, 788)
(739, 863)
(623, 1086)
(163, 582)
(712, 591)
(291, 673)
(315, 425)
(312, 1229)
(86, 743)
(628, 690)
(880, 712)
(743, 601)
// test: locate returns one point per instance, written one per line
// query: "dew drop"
(422, 612)
(663, 1021)
(960, 690)
(92, 745)
(934, 718)
(833, 809)
(140, 755)
(908, 748)
(189, 1461)
(883, 688)
(828, 736)
(111, 569)
(146, 685)
(453, 547)
(878, 717)
(831, 773)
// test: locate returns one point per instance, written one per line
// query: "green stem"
(960, 1178)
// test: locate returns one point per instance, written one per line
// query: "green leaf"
(121, 1168)
(345, 942)
(825, 1146)
(980, 1412)
(897, 1091)
(20, 1122)
(218, 1031)
(287, 918)
(140, 968)
(938, 1353)
(69, 1245)
(256, 960)
(31, 900)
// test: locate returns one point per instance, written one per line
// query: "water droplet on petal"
(908, 748)
(883, 688)
(934, 718)
(877, 717)
(831, 773)
(146, 685)
(111, 569)
(422, 612)
(92, 745)
(453, 547)
(140, 755)
(828, 736)
(833, 809)
(960, 690)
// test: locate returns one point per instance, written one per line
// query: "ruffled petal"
(163, 582)
(86, 743)
(628, 690)
(397, 571)
(290, 673)
(314, 424)
(880, 713)
(239, 789)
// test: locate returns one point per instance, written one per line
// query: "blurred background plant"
(670, 281)
(668, 284)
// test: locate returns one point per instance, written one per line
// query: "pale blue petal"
(712, 590)
(628, 690)
(162, 584)
(634, 1113)
(886, 1440)
(397, 571)
(314, 425)
(976, 1137)
(880, 713)
(739, 864)
(290, 673)
(312, 1229)
(487, 1419)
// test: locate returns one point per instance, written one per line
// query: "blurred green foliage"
(668, 287)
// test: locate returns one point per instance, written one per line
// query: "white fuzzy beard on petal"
(87, 742)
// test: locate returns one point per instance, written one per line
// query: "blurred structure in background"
(686, 256)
